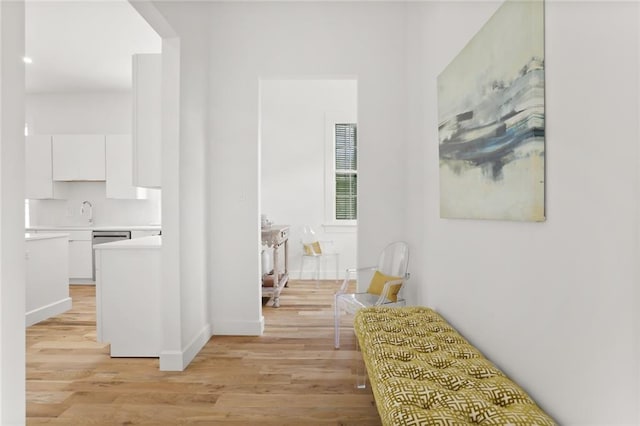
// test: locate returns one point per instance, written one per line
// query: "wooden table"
(276, 236)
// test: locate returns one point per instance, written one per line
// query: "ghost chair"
(317, 252)
(389, 276)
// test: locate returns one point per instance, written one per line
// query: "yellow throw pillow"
(377, 285)
(312, 249)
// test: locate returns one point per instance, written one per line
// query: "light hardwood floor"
(289, 376)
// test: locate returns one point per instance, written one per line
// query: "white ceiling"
(84, 46)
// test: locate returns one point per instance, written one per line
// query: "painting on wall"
(491, 120)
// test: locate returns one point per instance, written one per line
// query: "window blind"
(346, 167)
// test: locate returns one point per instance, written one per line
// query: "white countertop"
(96, 228)
(153, 242)
(32, 237)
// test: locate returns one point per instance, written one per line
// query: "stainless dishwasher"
(101, 237)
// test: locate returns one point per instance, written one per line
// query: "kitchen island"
(128, 311)
(47, 276)
(81, 244)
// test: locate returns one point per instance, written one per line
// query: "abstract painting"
(491, 120)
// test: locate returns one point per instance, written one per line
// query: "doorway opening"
(79, 84)
(308, 189)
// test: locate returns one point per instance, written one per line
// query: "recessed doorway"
(308, 179)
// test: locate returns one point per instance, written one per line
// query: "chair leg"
(361, 370)
(336, 323)
(301, 267)
(318, 259)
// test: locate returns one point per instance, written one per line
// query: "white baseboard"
(81, 281)
(171, 361)
(196, 344)
(238, 328)
(179, 360)
(48, 311)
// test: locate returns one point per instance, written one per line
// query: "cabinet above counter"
(147, 120)
(53, 160)
(78, 157)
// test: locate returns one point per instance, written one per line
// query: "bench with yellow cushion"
(422, 372)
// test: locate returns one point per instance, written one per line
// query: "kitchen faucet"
(90, 210)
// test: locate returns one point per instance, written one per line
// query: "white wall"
(550, 303)
(86, 113)
(12, 244)
(293, 116)
(106, 211)
(184, 91)
(321, 40)
(78, 113)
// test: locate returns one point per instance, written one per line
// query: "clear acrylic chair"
(389, 275)
(317, 251)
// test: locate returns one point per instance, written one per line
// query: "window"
(341, 172)
(346, 171)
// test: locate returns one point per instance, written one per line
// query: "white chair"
(317, 251)
(389, 276)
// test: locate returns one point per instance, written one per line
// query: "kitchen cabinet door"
(38, 179)
(80, 256)
(80, 252)
(119, 169)
(80, 260)
(78, 157)
(147, 119)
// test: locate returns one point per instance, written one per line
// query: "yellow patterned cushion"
(312, 249)
(376, 286)
(422, 372)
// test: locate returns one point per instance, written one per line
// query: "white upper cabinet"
(147, 100)
(120, 169)
(39, 182)
(78, 157)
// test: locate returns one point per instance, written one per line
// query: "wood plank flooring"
(289, 376)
